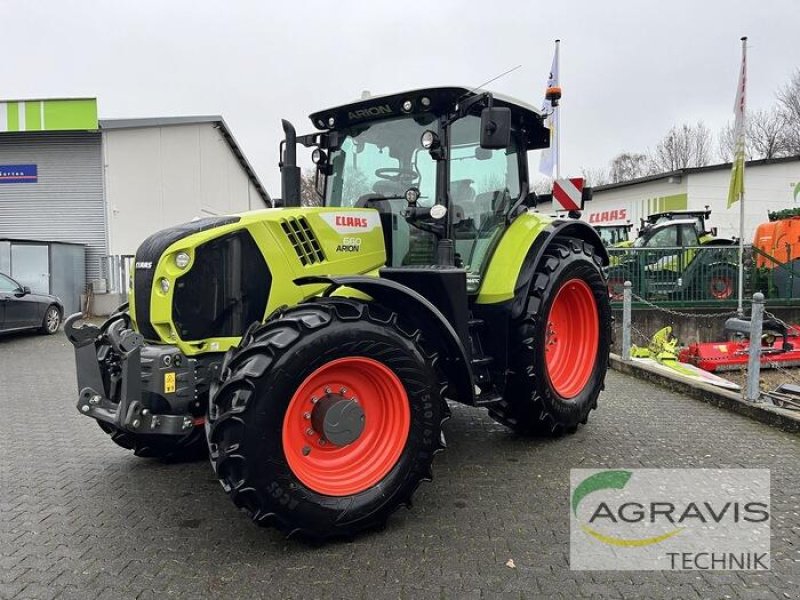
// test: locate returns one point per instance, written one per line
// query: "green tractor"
(675, 257)
(705, 234)
(615, 236)
(312, 351)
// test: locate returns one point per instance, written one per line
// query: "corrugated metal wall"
(66, 204)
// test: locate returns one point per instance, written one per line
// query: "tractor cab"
(705, 234)
(615, 236)
(445, 168)
(669, 233)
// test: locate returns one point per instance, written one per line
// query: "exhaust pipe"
(290, 172)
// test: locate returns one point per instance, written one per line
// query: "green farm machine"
(617, 235)
(311, 351)
(676, 256)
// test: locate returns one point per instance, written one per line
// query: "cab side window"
(666, 238)
(689, 235)
(483, 186)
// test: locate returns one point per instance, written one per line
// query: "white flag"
(736, 188)
(549, 157)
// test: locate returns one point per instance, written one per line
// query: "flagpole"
(558, 116)
(739, 306)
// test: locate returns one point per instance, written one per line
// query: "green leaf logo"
(599, 481)
(611, 480)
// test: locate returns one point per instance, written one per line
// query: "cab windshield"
(381, 160)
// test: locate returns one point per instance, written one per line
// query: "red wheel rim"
(572, 338)
(721, 287)
(344, 470)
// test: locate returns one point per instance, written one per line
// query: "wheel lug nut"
(307, 415)
(354, 399)
(343, 391)
(306, 450)
(314, 399)
(327, 390)
(321, 442)
(309, 431)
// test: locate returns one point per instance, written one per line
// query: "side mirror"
(495, 128)
(23, 291)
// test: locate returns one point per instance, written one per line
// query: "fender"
(559, 228)
(406, 301)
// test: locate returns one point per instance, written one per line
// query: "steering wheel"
(396, 175)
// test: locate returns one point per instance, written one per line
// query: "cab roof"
(440, 100)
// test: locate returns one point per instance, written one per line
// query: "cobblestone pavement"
(81, 518)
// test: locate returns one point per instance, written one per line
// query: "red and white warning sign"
(567, 193)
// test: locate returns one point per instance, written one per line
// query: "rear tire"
(191, 446)
(263, 427)
(722, 283)
(550, 397)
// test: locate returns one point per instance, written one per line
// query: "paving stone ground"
(81, 518)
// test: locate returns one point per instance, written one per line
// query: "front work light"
(182, 259)
(429, 140)
(318, 156)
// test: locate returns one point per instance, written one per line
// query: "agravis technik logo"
(670, 519)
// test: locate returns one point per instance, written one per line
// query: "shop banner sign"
(18, 174)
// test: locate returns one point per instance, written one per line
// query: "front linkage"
(149, 398)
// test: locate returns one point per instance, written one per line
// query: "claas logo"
(344, 221)
(608, 215)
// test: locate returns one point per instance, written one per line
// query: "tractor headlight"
(182, 259)
(407, 106)
(164, 284)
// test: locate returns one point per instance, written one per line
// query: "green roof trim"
(69, 114)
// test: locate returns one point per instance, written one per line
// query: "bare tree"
(595, 177)
(542, 186)
(628, 165)
(767, 133)
(308, 193)
(682, 147)
(789, 106)
(766, 136)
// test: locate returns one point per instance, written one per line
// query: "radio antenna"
(493, 79)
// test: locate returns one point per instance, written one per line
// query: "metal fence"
(701, 276)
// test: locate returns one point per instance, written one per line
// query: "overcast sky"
(629, 69)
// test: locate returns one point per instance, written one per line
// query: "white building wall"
(767, 187)
(633, 202)
(157, 177)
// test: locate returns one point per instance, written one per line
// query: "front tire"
(191, 446)
(327, 419)
(560, 347)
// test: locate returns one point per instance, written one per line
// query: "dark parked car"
(21, 309)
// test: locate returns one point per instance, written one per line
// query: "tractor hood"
(201, 284)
